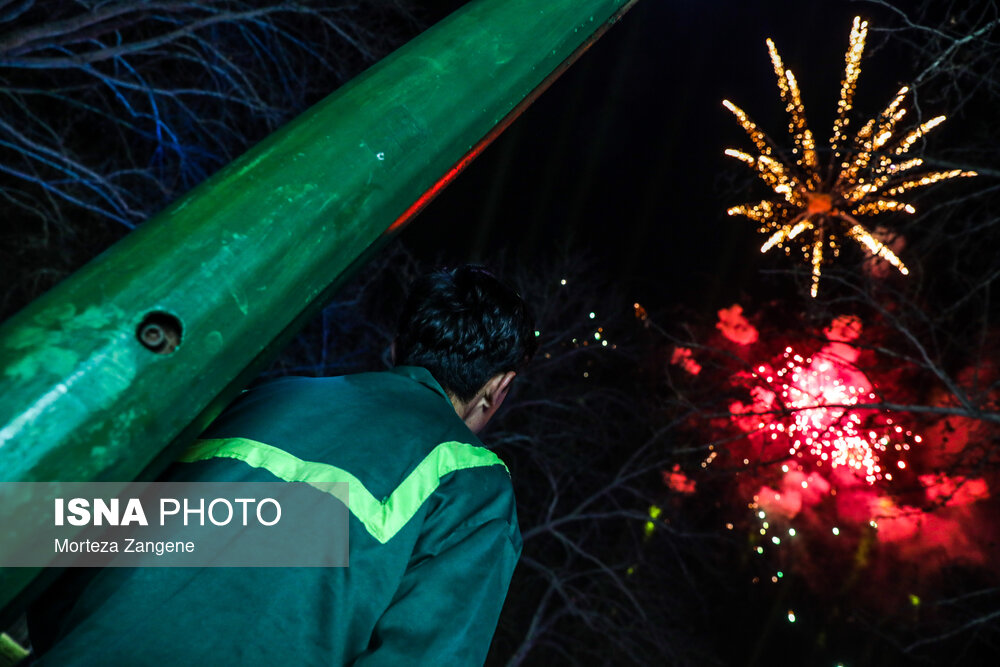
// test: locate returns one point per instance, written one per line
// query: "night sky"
(623, 156)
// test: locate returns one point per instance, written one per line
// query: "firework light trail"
(819, 203)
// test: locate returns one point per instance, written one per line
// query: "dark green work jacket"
(433, 542)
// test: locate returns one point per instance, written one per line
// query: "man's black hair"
(464, 326)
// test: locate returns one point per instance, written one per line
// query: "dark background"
(623, 155)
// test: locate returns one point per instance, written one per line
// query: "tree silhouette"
(111, 110)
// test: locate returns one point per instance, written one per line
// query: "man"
(430, 557)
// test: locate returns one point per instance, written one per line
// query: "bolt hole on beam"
(159, 332)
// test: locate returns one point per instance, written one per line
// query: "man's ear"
(485, 403)
(497, 388)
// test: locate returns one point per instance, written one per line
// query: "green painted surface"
(243, 259)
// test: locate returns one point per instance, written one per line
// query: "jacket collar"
(423, 376)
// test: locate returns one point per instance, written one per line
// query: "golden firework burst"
(820, 201)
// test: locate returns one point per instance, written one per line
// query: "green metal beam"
(108, 374)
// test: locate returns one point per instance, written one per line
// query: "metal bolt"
(159, 332)
(152, 336)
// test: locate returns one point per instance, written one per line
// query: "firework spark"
(827, 420)
(820, 203)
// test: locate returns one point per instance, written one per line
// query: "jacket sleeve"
(446, 608)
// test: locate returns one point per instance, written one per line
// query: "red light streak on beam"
(504, 123)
